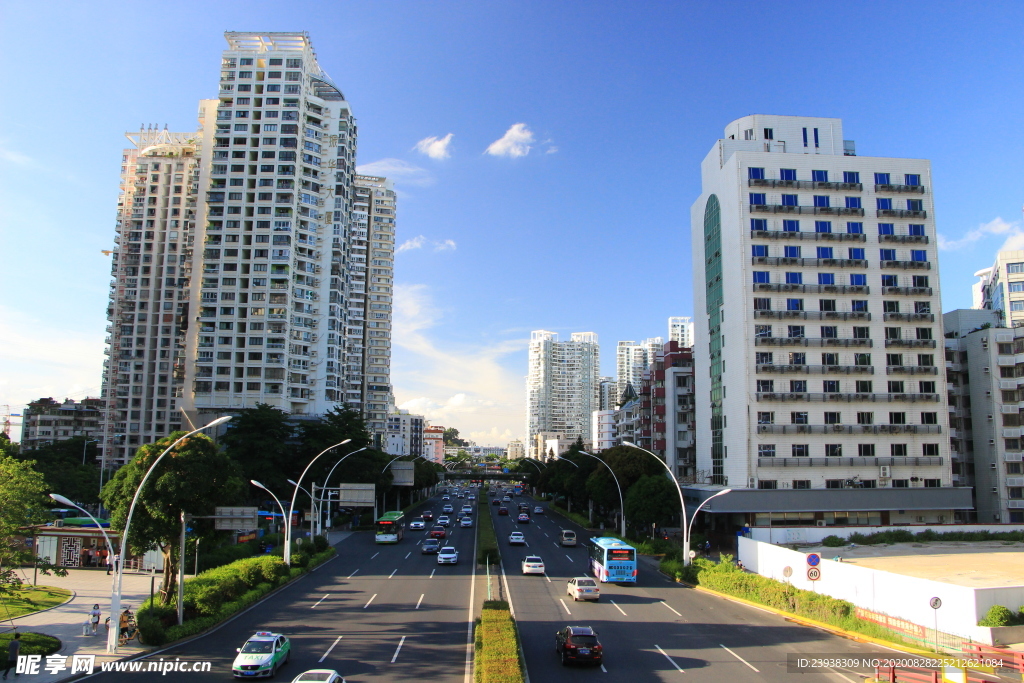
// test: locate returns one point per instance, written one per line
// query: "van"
(568, 538)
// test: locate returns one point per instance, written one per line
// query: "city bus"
(390, 528)
(612, 561)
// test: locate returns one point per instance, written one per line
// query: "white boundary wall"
(906, 597)
(814, 534)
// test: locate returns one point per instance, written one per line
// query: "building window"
(856, 253)
(757, 199)
(851, 176)
(825, 252)
(798, 386)
(766, 450)
(883, 204)
(866, 450)
(763, 331)
(823, 226)
(915, 205)
(834, 483)
(762, 304)
(765, 418)
(830, 359)
(801, 450)
(826, 278)
(794, 278)
(755, 173)
(882, 179)
(822, 200)
(794, 304)
(769, 134)
(832, 418)
(790, 200)
(833, 450)
(761, 276)
(918, 255)
(794, 226)
(798, 418)
(767, 484)
(758, 250)
(787, 174)
(855, 228)
(796, 332)
(819, 176)
(766, 386)
(853, 203)
(798, 358)
(801, 483)
(758, 224)
(915, 229)
(830, 386)
(829, 332)
(805, 137)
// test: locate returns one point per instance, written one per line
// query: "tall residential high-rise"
(561, 386)
(1001, 287)
(680, 330)
(632, 358)
(240, 267)
(820, 397)
(608, 393)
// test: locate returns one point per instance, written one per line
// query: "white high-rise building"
(632, 358)
(608, 393)
(562, 386)
(1001, 287)
(680, 331)
(239, 270)
(820, 398)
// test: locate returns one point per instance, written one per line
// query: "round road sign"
(813, 573)
(693, 554)
(935, 603)
(813, 559)
(787, 572)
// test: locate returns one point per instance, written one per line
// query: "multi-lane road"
(390, 613)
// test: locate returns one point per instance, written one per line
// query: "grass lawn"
(31, 643)
(31, 599)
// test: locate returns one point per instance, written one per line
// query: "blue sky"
(587, 231)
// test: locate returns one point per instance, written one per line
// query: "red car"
(438, 532)
(427, 515)
(503, 510)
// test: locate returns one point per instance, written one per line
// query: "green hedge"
(218, 593)
(487, 540)
(998, 615)
(582, 520)
(928, 535)
(497, 645)
(31, 643)
(726, 577)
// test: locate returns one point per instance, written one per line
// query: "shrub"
(300, 559)
(833, 541)
(998, 615)
(151, 629)
(273, 568)
(205, 598)
(320, 544)
(251, 572)
(487, 540)
(497, 647)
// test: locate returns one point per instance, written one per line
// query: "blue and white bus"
(612, 560)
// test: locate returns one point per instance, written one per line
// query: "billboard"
(235, 518)
(355, 495)
(403, 473)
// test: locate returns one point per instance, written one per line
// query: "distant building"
(538, 446)
(516, 450)
(405, 434)
(680, 330)
(562, 385)
(603, 435)
(47, 421)
(433, 443)
(1001, 287)
(666, 417)
(608, 393)
(632, 358)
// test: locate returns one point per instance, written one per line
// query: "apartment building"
(680, 331)
(603, 435)
(608, 393)
(632, 358)
(405, 434)
(240, 267)
(515, 450)
(1001, 287)
(47, 421)
(817, 379)
(983, 376)
(666, 415)
(562, 388)
(433, 443)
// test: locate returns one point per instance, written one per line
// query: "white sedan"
(418, 524)
(466, 522)
(532, 564)
(319, 676)
(516, 538)
(583, 588)
(448, 555)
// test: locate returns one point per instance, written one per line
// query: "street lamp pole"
(115, 599)
(276, 499)
(295, 494)
(622, 502)
(64, 501)
(687, 523)
(327, 480)
(84, 444)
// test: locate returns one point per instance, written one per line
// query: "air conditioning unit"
(992, 465)
(58, 522)
(995, 489)
(819, 522)
(989, 418)
(991, 442)
(986, 369)
(885, 472)
(751, 483)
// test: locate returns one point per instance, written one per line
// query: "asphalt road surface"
(655, 630)
(373, 613)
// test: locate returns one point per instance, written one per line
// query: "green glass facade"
(713, 299)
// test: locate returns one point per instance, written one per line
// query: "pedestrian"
(707, 548)
(13, 648)
(110, 563)
(94, 618)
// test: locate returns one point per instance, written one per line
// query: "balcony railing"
(909, 291)
(817, 369)
(904, 239)
(858, 461)
(812, 210)
(892, 187)
(804, 184)
(849, 429)
(910, 343)
(794, 235)
(907, 265)
(910, 317)
(900, 213)
(791, 396)
(814, 315)
(810, 289)
(911, 370)
(810, 341)
(796, 261)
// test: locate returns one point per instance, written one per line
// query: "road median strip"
(497, 645)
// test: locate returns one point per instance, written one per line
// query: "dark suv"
(578, 644)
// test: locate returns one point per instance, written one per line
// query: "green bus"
(390, 528)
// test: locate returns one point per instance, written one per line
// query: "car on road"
(578, 644)
(472, 496)
(466, 522)
(319, 676)
(568, 538)
(583, 588)
(446, 497)
(430, 545)
(516, 538)
(418, 523)
(262, 655)
(427, 515)
(437, 531)
(448, 555)
(503, 510)
(532, 564)
(448, 509)
(496, 501)
(538, 510)
(467, 509)
(506, 499)
(523, 518)
(444, 520)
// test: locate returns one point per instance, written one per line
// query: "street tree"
(260, 441)
(23, 502)
(653, 499)
(63, 470)
(194, 478)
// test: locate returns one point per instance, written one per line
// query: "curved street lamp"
(295, 494)
(115, 598)
(687, 523)
(64, 501)
(622, 503)
(276, 499)
(313, 507)
(328, 477)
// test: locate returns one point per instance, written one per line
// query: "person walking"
(110, 563)
(94, 618)
(13, 649)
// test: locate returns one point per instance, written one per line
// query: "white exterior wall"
(680, 330)
(562, 385)
(725, 174)
(603, 436)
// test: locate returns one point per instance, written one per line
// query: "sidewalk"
(88, 587)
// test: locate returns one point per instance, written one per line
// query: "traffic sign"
(787, 572)
(813, 559)
(935, 603)
(813, 573)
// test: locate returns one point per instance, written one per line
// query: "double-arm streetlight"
(313, 507)
(276, 500)
(295, 494)
(622, 502)
(115, 597)
(687, 523)
(327, 479)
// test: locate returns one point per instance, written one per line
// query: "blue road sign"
(505, 470)
(813, 559)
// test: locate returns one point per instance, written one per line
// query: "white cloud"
(415, 243)
(464, 387)
(551, 150)
(516, 142)
(435, 147)
(13, 157)
(446, 245)
(402, 172)
(997, 226)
